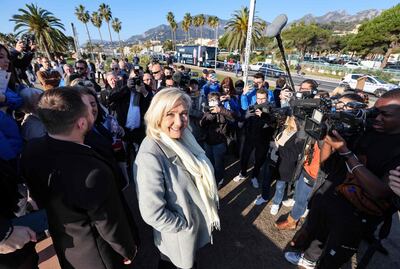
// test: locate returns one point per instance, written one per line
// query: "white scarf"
(199, 166)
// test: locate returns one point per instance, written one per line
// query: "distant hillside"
(163, 32)
(336, 20)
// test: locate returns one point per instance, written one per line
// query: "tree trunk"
(90, 42)
(46, 49)
(120, 45)
(201, 33)
(387, 55)
(101, 37)
(109, 31)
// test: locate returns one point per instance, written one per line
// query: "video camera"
(265, 108)
(348, 124)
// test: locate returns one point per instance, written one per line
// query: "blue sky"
(139, 16)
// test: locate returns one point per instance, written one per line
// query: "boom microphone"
(276, 26)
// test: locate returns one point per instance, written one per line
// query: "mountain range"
(339, 20)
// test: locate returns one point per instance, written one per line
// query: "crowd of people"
(72, 145)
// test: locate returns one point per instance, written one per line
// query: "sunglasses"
(156, 72)
(80, 68)
(115, 68)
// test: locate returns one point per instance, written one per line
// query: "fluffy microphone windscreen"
(276, 26)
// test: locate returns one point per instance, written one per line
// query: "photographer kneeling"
(357, 206)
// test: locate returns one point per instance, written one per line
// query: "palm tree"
(105, 12)
(187, 22)
(97, 21)
(116, 25)
(202, 21)
(84, 17)
(236, 30)
(170, 19)
(213, 22)
(174, 26)
(196, 24)
(46, 28)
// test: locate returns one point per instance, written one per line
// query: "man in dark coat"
(130, 103)
(77, 187)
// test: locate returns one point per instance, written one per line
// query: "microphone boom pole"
(282, 50)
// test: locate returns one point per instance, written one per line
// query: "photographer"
(130, 103)
(259, 128)
(82, 71)
(21, 57)
(215, 125)
(342, 218)
(248, 97)
(212, 84)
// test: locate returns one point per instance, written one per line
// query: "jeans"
(216, 155)
(279, 192)
(301, 195)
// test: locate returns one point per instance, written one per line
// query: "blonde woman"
(175, 182)
(287, 148)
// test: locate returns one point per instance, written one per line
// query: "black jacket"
(259, 130)
(215, 126)
(77, 188)
(119, 101)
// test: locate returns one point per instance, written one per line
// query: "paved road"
(325, 84)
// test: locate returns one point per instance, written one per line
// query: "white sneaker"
(260, 200)
(288, 203)
(220, 182)
(239, 178)
(297, 258)
(254, 182)
(274, 209)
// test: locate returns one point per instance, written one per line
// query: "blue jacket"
(13, 100)
(250, 98)
(10, 138)
(232, 105)
(209, 87)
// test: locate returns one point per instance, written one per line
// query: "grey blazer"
(170, 202)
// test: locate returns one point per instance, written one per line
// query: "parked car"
(352, 65)
(394, 67)
(374, 85)
(271, 70)
(256, 66)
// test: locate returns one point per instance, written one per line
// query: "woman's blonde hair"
(161, 103)
(290, 124)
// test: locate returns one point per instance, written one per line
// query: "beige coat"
(170, 202)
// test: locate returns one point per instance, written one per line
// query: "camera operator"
(343, 217)
(259, 128)
(248, 97)
(21, 56)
